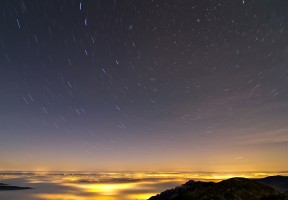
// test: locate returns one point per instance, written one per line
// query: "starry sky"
(156, 85)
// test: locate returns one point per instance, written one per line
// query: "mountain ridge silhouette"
(237, 188)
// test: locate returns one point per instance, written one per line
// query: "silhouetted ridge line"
(279, 183)
(230, 189)
(11, 187)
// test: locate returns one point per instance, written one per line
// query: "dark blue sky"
(143, 85)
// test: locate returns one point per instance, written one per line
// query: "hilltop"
(279, 183)
(230, 189)
(11, 187)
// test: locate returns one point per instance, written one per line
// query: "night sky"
(144, 85)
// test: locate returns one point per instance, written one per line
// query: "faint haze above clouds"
(143, 85)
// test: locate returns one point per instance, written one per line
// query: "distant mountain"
(11, 187)
(279, 183)
(230, 189)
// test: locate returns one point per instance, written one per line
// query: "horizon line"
(144, 171)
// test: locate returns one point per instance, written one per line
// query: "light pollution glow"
(110, 185)
(140, 86)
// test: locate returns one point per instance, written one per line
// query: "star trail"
(144, 85)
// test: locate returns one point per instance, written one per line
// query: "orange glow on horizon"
(115, 185)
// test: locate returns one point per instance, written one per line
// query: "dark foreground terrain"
(269, 188)
(11, 187)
